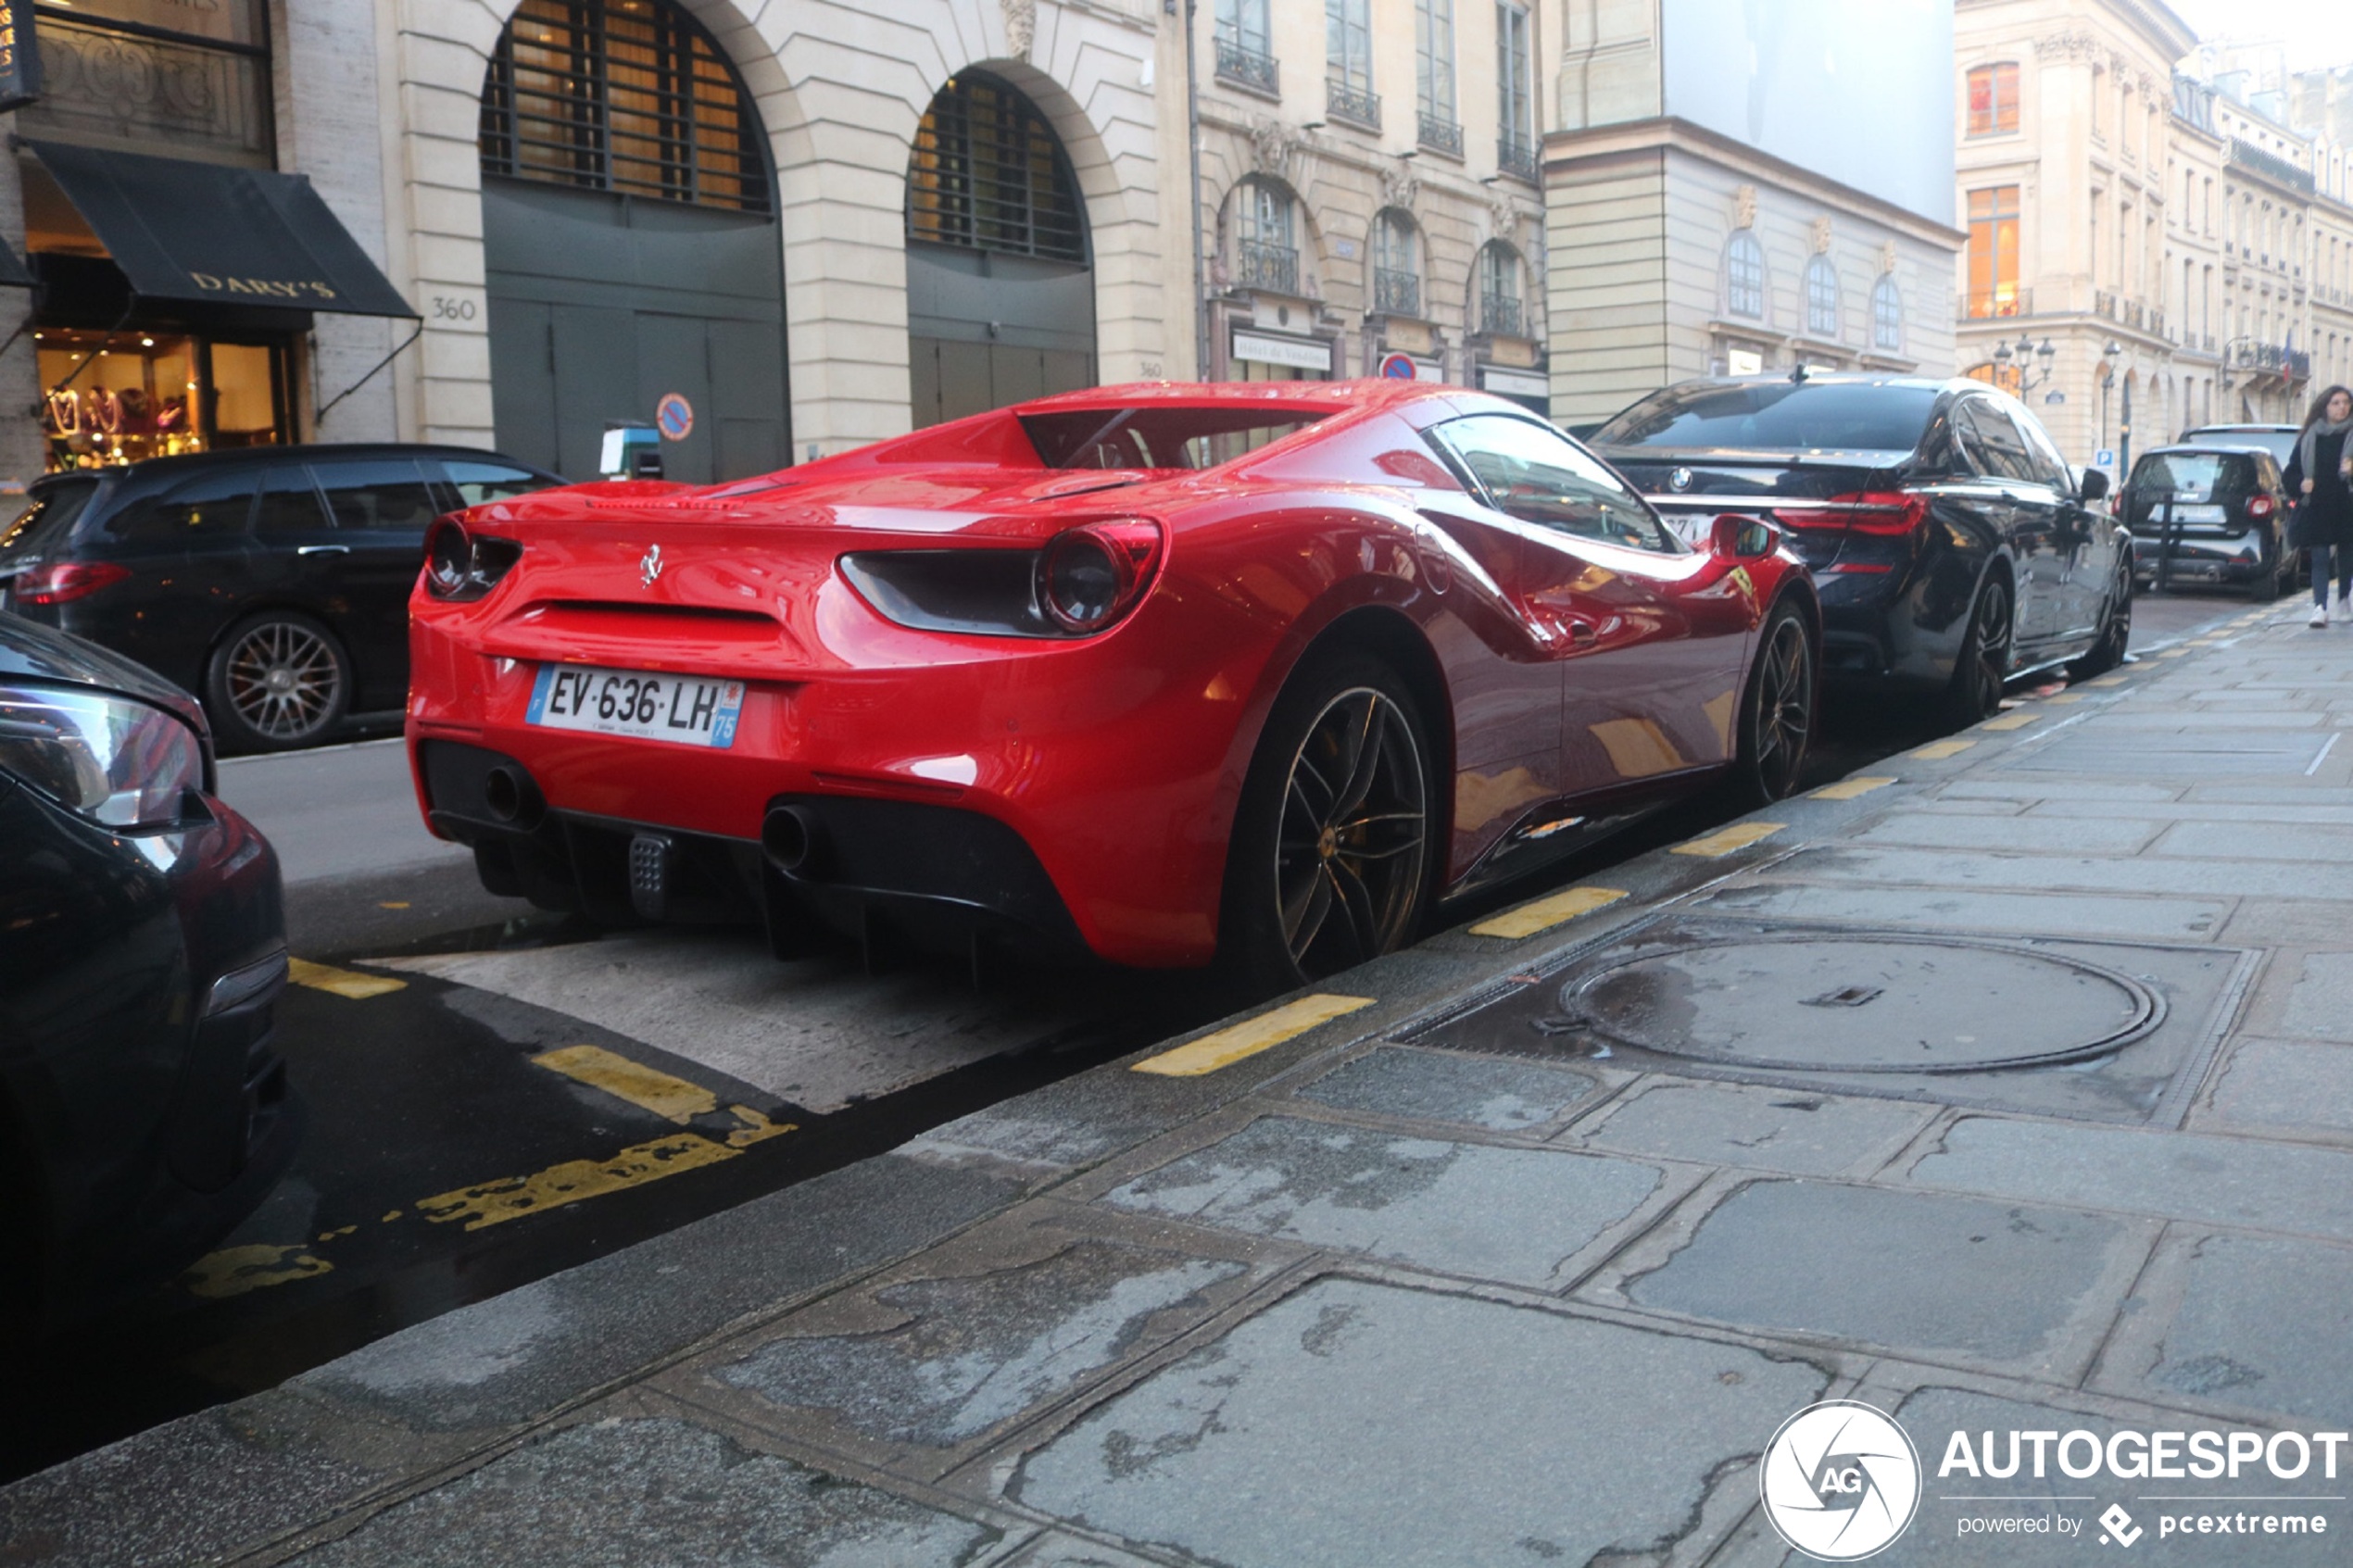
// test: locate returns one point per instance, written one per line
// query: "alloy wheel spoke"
(1369, 734)
(1356, 903)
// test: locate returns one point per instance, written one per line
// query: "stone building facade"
(825, 113)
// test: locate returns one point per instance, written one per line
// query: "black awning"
(210, 234)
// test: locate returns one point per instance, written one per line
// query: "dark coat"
(2325, 517)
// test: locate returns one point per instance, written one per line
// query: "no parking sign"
(1397, 367)
(674, 416)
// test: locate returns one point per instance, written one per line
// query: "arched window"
(624, 95)
(1744, 276)
(1397, 266)
(989, 174)
(1887, 315)
(1821, 299)
(1265, 249)
(1499, 290)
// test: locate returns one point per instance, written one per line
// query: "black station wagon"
(273, 583)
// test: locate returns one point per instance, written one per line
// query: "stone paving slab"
(2308, 844)
(1947, 909)
(1516, 1215)
(1500, 1094)
(1757, 1127)
(2175, 876)
(2109, 834)
(2292, 1086)
(2321, 1007)
(1355, 1423)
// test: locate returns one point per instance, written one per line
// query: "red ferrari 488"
(1169, 675)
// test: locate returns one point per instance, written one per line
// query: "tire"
(276, 680)
(2264, 586)
(1980, 672)
(1336, 845)
(2116, 633)
(1777, 712)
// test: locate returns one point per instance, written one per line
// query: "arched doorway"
(1000, 293)
(631, 240)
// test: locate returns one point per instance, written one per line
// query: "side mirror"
(1736, 538)
(2095, 485)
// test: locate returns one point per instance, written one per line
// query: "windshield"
(1157, 437)
(1776, 417)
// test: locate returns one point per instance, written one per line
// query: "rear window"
(1156, 438)
(2192, 476)
(1776, 417)
(48, 513)
(2280, 443)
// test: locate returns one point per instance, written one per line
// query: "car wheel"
(1984, 662)
(2264, 586)
(2116, 633)
(279, 679)
(1335, 839)
(1777, 712)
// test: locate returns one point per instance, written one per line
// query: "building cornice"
(1669, 134)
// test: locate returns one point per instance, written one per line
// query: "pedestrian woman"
(2320, 474)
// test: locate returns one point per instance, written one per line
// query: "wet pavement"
(1521, 1261)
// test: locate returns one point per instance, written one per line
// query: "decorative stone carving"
(1276, 149)
(1506, 215)
(1399, 186)
(1887, 256)
(2081, 47)
(1744, 206)
(1822, 234)
(1021, 27)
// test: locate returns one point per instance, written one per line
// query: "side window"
(377, 493)
(289, 505)
(2049, 466)
(1995, 447)
(199, 511)
(1533, 473)
(477, 482)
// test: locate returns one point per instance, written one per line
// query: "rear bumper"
(2211, 558)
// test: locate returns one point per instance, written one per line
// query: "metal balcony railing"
(1515, 157)
(1441, 135)
(1259, 266)
(1991, 304)
(1396, 293)
(1351, 106)
(1499, 314)
(1248, 68)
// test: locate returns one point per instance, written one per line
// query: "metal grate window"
(624, 95)
(989, 174)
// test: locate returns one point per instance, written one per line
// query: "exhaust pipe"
(511, 799)
(793, 840)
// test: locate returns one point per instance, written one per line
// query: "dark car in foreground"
(2209, 514)
(1951, 545)
(274, 582)
(143, 1110)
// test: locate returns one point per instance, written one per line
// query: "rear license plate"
(688, 709)
(2183, 512)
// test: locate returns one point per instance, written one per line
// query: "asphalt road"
(498, 1094)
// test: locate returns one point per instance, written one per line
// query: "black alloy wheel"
(1983, 666)
(277, 679)
(1332, 854)
(2116, 630)
(1777, 712)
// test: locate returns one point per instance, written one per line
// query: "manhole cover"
(1880, 1004)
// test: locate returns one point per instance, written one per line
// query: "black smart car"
(2209, 514)
(275, 581)
(143, 1110)
(1951, 547)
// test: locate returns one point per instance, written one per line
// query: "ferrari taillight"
(1093, 575)
(1888, 513)
(460, 565)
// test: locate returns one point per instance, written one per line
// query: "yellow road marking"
(1937, 750)
(756, 1128)
(389, 1217)
(348, 982)
(2108, 681)
(1231, 1044)
(330, 1236)
(2010, 722)
(1847, 789)
(393, 904)
(1723, 841)
(2064, 696)
(1546, 913)
(645, 1088)
(512, 1197)
(2170, 653)
(233, 1271)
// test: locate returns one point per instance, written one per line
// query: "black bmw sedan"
(1951, 550)
(143, 1110)
(273, 580)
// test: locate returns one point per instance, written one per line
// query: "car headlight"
(110, 759)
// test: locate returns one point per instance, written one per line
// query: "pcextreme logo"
(1840, 1480)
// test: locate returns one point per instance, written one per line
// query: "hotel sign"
(19, 56)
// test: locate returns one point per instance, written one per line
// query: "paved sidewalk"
(2010, 1090)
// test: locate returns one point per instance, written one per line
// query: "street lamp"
(2108, 357)
(2029, 376)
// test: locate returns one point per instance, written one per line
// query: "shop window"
(123, 396)
(989, 174)
(624, 95)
